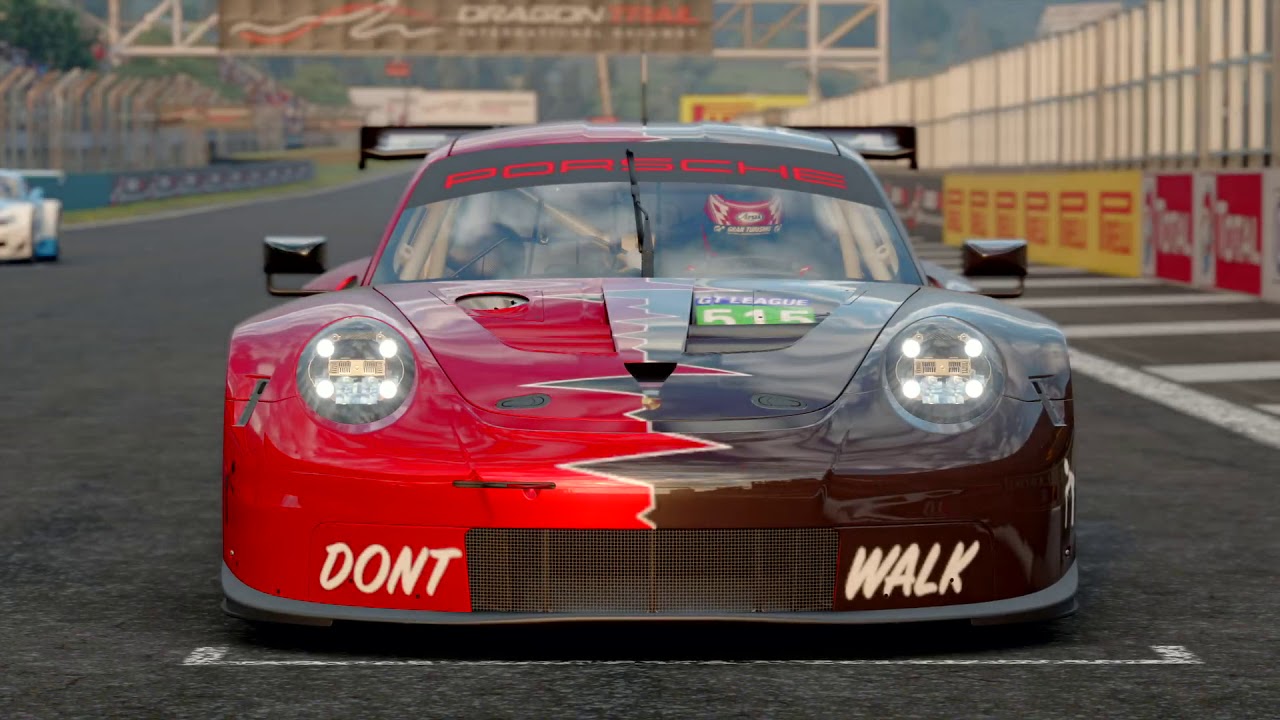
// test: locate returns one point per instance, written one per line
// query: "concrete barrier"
(87, 191)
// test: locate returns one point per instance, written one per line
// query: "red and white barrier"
(1214, 230)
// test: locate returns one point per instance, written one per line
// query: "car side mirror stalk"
(997, 259)
(291, 255)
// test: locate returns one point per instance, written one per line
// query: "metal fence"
(84, 121)
(1176, 83)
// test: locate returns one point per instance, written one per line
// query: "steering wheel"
(500, 235)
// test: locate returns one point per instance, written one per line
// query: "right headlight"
(944, 372)
(356, 371)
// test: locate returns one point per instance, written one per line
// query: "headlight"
(944, 372)
(356, 372)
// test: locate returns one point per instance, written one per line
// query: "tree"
(49, 35)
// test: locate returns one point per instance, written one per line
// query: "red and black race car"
(646, 371)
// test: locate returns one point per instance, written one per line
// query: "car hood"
(604, 350)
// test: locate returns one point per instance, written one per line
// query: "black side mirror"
(287, 255)
(946, 279)
(995, 259)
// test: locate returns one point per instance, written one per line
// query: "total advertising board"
(1090, 220)
(725, 108)
(458, 27)
(1213, 230)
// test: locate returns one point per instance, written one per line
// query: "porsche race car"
(623, 371)
(29, 222)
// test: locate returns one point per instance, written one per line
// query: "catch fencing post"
(1275, 86)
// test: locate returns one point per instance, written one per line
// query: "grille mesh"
(651, 571)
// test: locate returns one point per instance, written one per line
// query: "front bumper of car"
(1056, 601)
(324, 526)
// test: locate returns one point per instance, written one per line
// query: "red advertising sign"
(979, 214)
(1007, 214)
(1169, 208)
(1117, 232)
(1073, 222)
(1038, 217)
(1235, 226)
(954, 211)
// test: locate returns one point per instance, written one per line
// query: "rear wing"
(408, 142)
(880, 142)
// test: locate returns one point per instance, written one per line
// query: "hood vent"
(651, 373)
(482, 302)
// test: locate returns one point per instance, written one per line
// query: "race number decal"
(747, 315)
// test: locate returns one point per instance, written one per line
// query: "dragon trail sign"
(505, 27)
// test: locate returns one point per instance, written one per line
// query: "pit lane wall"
(87, 191)
(1212, 230)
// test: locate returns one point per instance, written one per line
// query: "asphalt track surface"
(109, 539)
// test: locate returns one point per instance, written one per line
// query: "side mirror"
(997, 259)
(946, 279)
(288, 255)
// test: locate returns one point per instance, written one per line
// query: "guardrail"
(86, 121)
(85, 191)
(1173, 84)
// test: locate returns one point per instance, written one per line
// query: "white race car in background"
(29, 222)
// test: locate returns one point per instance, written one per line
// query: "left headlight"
(356, 371)
(944, 372)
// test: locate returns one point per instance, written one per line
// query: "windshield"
(554, 229)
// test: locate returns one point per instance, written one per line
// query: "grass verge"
(333, 167)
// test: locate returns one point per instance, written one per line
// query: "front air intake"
(631, 572)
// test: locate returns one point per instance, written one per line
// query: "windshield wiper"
(642, 220)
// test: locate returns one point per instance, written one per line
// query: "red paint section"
(1236, 224)
(395, 567)
(1170, 210)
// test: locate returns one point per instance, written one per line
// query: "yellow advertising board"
(1090, 220)
(724, 108)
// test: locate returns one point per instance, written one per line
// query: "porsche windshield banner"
(506, 27)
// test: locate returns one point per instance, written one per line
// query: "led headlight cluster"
(356, 372)
(944, 371)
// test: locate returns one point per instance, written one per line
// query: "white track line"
(1274, 409)
(1257, 426)
(1166, 329)
(1217, 372)
(1090, 301)
(1165, 655)
(186, 212)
